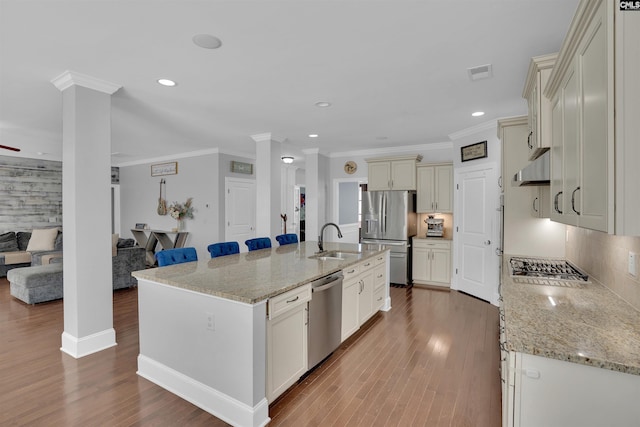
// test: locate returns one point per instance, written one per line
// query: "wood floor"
(432, 360)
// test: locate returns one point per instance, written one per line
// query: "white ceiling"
(395, 71)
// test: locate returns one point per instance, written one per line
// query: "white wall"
(199, 177)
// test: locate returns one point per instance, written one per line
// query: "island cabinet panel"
(287, 340)
(364, 293)
(555, 393)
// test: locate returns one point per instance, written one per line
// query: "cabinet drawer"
(284, 302)
(379, 276)
(378, 299)
(351, 271)
(366, 265)
(432, 244)
(379, 259)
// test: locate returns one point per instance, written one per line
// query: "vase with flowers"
(181, 211)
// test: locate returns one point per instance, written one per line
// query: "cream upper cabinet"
(392, 173)
(540, 205)
(434, 188)
(595, 151)
(539, 118)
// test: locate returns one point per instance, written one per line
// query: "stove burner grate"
(546, 268)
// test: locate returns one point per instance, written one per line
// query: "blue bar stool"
(287, 239)
(176, 256)
(223, 248)
(258, 243)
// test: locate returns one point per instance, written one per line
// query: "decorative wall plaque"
(161, 169)
(474, 151)
(241, 167)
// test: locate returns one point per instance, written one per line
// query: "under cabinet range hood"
(535, 173)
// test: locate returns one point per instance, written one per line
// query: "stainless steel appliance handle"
(379, 242)
(326, 286)
(384, 213)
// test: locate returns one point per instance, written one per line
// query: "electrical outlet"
(633, 264)
(211, 322)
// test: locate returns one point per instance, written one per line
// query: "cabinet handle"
(500, 181)
(436, 205)
(573, 200)
(555, 202)
(293, 300)
(351, 272)
(534, 205)
(431, 205)
(379, 299)
(529, 141)
(367, 264)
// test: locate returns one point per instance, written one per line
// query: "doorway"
(240, 210)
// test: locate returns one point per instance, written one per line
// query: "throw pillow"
(126, 243)
(8, 242)
(42, 239)
(23, 240)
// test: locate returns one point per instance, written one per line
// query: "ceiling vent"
(480, 72)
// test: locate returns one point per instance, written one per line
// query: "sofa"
(18, 249)
(41, 283)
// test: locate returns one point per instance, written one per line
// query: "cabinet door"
(365, 297)
(540, 202)
(444, 188)
(557, 161)
(592, 198)
(441, 266)
(379, 176)
(350, 294)
(532, 137)
(570, 135)
(425, 201)
(403, 174)
(286, 350)
(421, 263)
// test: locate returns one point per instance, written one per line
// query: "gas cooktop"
(546, 268)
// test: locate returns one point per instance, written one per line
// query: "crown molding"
(268, 136)
(490, 125)
(395, 151)
(71, 78)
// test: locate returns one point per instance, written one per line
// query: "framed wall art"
(473, 151)
(161, 169)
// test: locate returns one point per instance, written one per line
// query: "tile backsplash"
(605, 257)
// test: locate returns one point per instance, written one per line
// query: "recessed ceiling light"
(287, 159)
(167, 82)
(323, 104)
(207, 41)
(478, 114)
(313, 135)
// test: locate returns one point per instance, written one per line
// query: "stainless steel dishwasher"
(325, 318)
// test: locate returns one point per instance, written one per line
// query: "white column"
(316, 192)
(268, 184)
(86, 207)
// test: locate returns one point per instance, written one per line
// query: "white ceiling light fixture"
(478, 114)
(323, 104)
(207, 41)
(313, 135)
(480, 72)
(287, 159)
(167, 82)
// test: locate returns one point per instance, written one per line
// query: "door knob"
(487, 243)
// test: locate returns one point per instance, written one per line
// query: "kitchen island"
(570, 354)
(203, 325)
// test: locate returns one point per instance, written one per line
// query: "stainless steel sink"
(336, 255)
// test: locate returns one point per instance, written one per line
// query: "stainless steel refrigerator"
(389, 218)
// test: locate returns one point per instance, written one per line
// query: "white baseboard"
(226, 408)
(84, 346)
(387, 305)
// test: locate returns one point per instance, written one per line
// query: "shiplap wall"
(30, 193)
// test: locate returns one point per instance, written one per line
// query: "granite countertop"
(258, 275)
(589, 325)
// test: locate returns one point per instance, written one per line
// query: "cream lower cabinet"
(287, 340)
(553, 393)
(432, 262)
(363, 293)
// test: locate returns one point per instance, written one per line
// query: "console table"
(149, 239)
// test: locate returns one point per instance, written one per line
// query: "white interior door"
(240, 210)
(477, 263)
